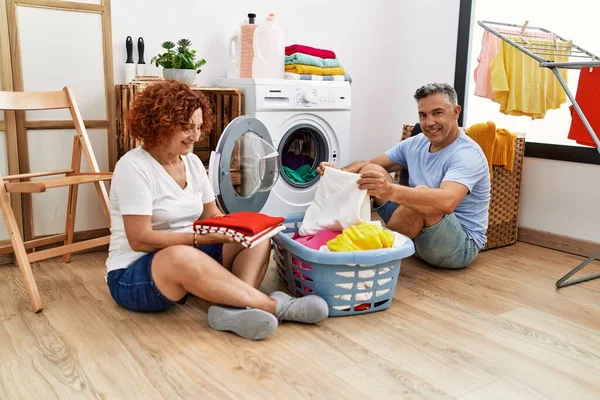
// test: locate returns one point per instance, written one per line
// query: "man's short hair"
(437, 88)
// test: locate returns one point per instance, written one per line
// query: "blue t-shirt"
(463, 162)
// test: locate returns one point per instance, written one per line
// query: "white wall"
(382, 44)
(558, 197)
(376, 41)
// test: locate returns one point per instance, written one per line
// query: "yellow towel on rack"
(485, 136)
(521, 86)
(312, 70)
(364, 236)
(504, 149)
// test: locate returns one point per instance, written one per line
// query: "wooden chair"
(72, 177)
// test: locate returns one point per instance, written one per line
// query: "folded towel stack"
(245, 227)
(309, 63)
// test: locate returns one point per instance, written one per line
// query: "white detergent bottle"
(233, 68)
(269, 50)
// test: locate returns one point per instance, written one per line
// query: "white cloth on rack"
(338, 203)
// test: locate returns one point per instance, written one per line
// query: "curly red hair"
(165, 106)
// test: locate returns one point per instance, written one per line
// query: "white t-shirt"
(141, 186)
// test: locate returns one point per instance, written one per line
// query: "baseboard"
(558, 242)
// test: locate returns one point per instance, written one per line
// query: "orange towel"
(485, 136)
(498, 144)
(504, 150)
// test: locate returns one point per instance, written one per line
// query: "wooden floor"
(497, 330)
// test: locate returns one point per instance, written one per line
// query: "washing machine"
(266, 160)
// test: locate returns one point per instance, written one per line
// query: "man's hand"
(322, 165)
(376, 185)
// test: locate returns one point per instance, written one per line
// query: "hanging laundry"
(483, 72)
(521, 87)
(588, 98)
(304, 174)
(338, 203)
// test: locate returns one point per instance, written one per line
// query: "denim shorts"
(133, 288)
(445, 244)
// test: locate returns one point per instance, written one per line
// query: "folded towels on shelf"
(305, 59)
(309, 77)
(311, 51)
(312, 70)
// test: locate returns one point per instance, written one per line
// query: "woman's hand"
(210, 238)
(322, 165)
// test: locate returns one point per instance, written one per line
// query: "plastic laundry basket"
(350, 282)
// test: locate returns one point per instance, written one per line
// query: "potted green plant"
(179, 63)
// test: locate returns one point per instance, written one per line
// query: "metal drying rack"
(558, 46)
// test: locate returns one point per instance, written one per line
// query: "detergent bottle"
(269, 50)
(241, 49)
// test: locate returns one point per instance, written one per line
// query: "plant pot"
(187, 76)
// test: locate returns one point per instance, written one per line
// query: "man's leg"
(439, 240)
(408, 222)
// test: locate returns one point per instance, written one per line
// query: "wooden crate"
(504, 202)
(226, 103)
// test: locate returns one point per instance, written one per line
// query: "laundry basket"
(350, 282)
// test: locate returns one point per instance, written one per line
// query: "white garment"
(141, 186)
(338, 203)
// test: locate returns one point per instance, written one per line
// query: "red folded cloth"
(245, 240)
(246, 222)
(311, 51)
(588, 98)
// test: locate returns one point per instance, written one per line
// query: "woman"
(155, 259)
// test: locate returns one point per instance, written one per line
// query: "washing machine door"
(244, 167)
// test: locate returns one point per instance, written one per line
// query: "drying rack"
(558, 46)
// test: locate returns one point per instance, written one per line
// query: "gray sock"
(308, 309)
(249, 323)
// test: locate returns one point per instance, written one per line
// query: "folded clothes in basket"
(246, 228)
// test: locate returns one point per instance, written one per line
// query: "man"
(445, 207)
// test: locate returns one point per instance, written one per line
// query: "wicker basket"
(504, 203)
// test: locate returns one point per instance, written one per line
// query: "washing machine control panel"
(315, 97)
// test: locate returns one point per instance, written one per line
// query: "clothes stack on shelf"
(310, 63)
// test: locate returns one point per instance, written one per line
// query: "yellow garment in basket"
(498, 145)
(485, 136)
(364, 236)
(504, 151)
(312, 70)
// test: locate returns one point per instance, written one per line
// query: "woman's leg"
(177, 270)
(250, 265)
